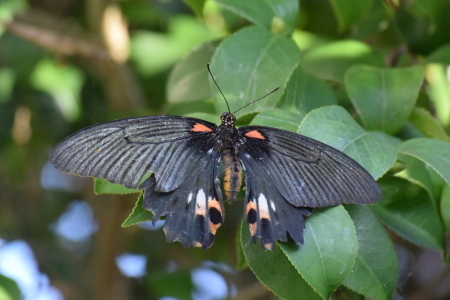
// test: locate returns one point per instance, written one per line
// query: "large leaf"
(432, 152)
(332, 60)
(334, 126)
(278, 118)
(348, 12)
(274, 270)
(248, 65)
(264, 12)
(188, 81)
(408, 210)
(375, 272)
(384, 98)
(329, 251)
(305, 92)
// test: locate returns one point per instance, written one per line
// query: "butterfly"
(285, 174)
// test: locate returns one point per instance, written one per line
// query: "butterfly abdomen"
(232, 180)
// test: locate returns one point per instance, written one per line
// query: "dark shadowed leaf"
(348, 12)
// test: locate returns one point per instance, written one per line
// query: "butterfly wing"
(124, 151)
(269, 216)
(193, 211)
(306, 172)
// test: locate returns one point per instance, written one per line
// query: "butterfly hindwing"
(269, 216)
(194, 211)
(124, 151)
(307, 172)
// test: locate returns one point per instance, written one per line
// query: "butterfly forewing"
(124, 151)
(306, 172)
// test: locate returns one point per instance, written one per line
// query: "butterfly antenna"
(257, 100)
(218, 87)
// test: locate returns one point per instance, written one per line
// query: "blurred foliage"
(65, 65)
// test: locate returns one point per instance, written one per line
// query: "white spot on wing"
(201, 203)
(189, 197)
(263, 205)
(273, 205)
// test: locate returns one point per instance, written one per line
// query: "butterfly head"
(228, 119)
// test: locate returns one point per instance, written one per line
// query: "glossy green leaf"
(196, 6)
(188, 81)
(250, 64)
(305, 92)
(329, 251)
(138, 214)
(103, 186)
(445, 207)
(265, 13)
(332, 60)
(408, 210)
(434, 153)
(375, 272)
(417, 172)
(274, 270)
(384, 98)
(9, 290)
(334, 126)
(427, 124)
(278, 118)
(348, 12)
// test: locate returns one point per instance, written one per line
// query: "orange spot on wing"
(200, 128)
(213, 227)
(255, 134)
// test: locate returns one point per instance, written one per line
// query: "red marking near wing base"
(255, 134)
(200, 128)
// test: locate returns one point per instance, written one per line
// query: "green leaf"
(274, 270)
(278, 118)
(427, 124)
(440, 56)
(177, 284)
(348, 12)
(408, 210)
(138, 214)
(9, 290)
(375, 272)
(243, 76)
(384, 98)
(265, 13)
(305, 92)
(103, 186)
(196, 6)
(188, 81)
(334, 126)
(434, 153)
(445, 207)
(331, 61)
(329, 251)
(417, 172)
(438, 90)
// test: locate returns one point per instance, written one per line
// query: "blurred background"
(68, 64)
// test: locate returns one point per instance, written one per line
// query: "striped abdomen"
(232, 179)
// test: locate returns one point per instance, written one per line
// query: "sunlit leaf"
(427, 124)
(445, 207)
(329, 251)
(432, 152)
(334, 126)
(103, 186)
(138, 214)
(408, 210)
(250, 64)
(332, 60)
(384, 98)
(274, 270)
(375, 272)
(438, 90)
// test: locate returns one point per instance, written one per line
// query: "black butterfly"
(286, 174)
